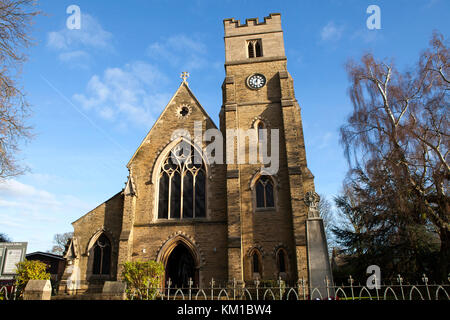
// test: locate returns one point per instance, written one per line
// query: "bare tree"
(60, 241)
(400, 125)
(326, 214)
(15, 22)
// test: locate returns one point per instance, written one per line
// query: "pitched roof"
(46, 254)
(80, 218)
(182, 85)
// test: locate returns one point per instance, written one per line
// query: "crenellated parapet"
(268, 35)
(271, 23)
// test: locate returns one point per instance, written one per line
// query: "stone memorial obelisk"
(318, 260)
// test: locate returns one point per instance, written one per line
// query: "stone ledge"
(283, 74)
(234, 242)
(287, 102)
(232, 174)
(180, 222)
(275, 100)
(294, 170)
(125, 235)
(251, 34)
(229, 79)
(256, 60)
(230, 107)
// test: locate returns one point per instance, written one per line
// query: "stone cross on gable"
(184, 76)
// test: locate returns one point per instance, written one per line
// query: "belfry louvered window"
(264, 192)
(182, 184)
(254, 48)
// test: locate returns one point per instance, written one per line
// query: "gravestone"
(38, 290)
(114, 290)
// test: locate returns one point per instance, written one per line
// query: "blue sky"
(96, 92)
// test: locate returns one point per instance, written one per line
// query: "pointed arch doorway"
(181, 263)
(180, 267)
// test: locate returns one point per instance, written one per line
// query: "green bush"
(30, 270)
(142, 278)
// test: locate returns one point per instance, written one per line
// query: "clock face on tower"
(256, 81)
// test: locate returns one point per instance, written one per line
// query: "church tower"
(267, 214)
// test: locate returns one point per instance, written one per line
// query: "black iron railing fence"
(399, 290)
(280, 290)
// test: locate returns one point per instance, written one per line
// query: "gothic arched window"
(254, 48)
(256, 262)
(258, 52)
(102, 255)
(251, 51)
(182, 184)
(264, 192)
(260, 127)
(263, 137)
(281, 260)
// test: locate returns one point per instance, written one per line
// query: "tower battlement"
(252, 25)
(267, 34)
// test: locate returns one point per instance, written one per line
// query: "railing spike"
(433, 291)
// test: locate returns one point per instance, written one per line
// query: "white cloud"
(74, 44)
(133, 92)
(180, 51)
(91, 34)
(56, 40)
(73, 55)
(76, 59)
(15, 194)
(366, 35)
(331, 32)
(30, 213)
(17, 191)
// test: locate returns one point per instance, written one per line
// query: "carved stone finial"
(130, 188)
(312, 201)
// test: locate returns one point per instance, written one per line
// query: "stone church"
(206, 220)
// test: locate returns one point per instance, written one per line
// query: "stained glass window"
(102, 255)
(264, 193)
(182, 184)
